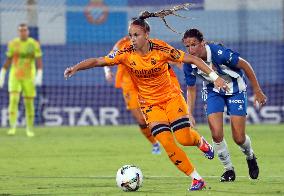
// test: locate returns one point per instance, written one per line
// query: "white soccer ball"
(129, 178)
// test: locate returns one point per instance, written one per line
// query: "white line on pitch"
(112, 177)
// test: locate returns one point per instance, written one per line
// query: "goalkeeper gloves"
(38, 78)
(2, 77)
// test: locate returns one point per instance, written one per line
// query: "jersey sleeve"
(226, 56)
(10, 50)
(114, 57)
(173, 54)
(38, 52)
(190, 78)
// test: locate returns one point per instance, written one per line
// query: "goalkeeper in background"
(22, 54)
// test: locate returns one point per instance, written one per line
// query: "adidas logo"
(180, 110)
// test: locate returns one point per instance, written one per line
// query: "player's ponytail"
(162, 14)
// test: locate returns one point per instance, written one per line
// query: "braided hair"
(141, 20)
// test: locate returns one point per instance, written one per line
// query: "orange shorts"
(168, 111)
(131, 99)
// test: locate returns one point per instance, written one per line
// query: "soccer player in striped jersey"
(231, 67)
(23, 54)
(162, 103)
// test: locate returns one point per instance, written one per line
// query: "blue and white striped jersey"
(225, 61)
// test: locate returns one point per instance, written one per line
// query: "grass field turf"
(84, 161)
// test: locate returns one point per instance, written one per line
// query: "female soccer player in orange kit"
(162, 103)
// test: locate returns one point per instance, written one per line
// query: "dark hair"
(193, 33)
(22, 25)
(142, 23)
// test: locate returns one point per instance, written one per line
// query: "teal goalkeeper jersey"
(23, 54)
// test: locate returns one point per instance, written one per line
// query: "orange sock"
(187, 137)
(147, 133)
(175, 153)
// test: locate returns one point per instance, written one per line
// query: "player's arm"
(259, 96)
(39, 64)
(191, 97)
(4, 70)
(8, 62)
(83, 65)
(190, 80)
(218, 81)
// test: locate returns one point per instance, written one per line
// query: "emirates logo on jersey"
(146, 73)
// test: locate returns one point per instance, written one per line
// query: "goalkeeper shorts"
(26, 86)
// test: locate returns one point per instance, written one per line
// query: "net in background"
(70, 31)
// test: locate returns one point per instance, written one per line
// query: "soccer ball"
(129, 178)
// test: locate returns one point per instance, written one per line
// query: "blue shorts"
(236, 103)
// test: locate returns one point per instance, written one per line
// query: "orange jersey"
(122, 78)
(150, 72)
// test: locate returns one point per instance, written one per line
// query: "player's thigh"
(14, 85)
(215, 122)
(214, 103)
(29, 89)
(138, 115)
(177, 109)
(130, 98)
(156, 118)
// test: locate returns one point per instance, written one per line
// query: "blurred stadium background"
(72, 30)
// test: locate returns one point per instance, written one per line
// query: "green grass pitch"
(84, 161)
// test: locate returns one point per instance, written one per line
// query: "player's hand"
(259, 99)
(38, 78)
(109, 76)
(221, 84)
(69, 71)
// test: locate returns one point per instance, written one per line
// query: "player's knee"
(162, 133)
(181, 129)
(217, 136)
(239, 140)
(13, 102)
(143, 126)
(14, 99)
(183, 136)
(141, 121)
(217, 139)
